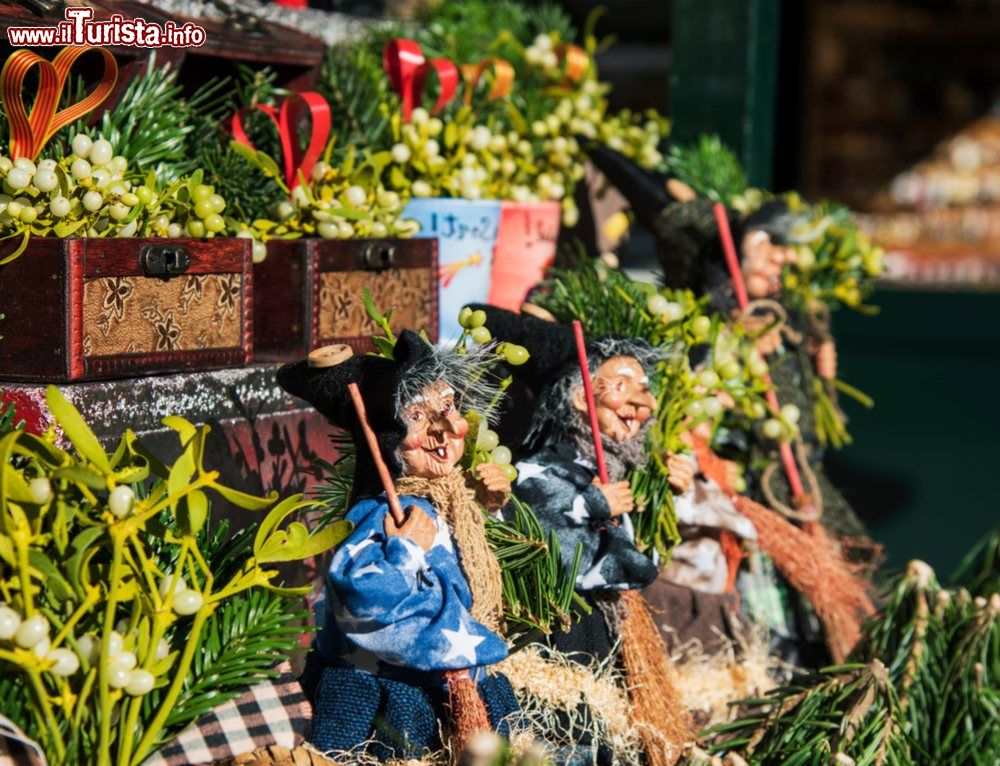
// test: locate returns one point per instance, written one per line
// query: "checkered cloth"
(271, 713)
(16, 749)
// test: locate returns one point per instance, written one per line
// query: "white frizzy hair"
(470, 374)
(554, 414)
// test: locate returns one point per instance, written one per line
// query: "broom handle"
(588, 390)
(395, 508)
(742, 300)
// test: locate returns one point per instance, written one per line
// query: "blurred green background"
(925, 462)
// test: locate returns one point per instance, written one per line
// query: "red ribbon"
(296, 161)
(30, 132)
(407, 69)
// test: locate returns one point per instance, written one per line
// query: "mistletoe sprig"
(111, 608)
(529, 145)
(728, 374)
(336, 202)
(92, 192)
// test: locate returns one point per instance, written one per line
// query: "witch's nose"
(646, 399)
(451, 423)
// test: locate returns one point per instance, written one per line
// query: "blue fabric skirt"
(396, 717)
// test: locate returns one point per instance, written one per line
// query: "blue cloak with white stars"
(391, 606)
(393, 618)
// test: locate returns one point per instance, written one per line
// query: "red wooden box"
(308, 292)
(83, 309)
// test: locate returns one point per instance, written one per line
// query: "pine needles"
(538, 592)
(925, 688)
(979, 571)
(709, 167)
(357, 88)
(243, 640)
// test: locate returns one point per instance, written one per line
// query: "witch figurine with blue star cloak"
(406, 603)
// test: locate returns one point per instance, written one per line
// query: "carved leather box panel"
(308, 293)
(84, 309)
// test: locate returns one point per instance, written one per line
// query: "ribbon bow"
(503, 77)
(407, 69)
(30, 132)
(574, 61)
(298, 164)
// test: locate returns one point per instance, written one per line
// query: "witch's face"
(622, 396)
(435, 436)
(762, 264)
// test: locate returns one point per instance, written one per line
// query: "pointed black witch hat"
(380, 381)
(687, 238)
(553, 362)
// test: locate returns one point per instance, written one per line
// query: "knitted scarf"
(457, 504)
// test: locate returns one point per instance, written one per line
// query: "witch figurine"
(560, 477)
(798, 345)
(407, 601)
(801, 355)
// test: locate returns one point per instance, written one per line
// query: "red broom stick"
(742, 300)
(468, 713)
(588, 391)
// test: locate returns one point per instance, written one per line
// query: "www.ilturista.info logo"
(78, 29)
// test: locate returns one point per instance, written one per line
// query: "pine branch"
(243, 640)
(708, 167)
(935, 657)
(353, 82)
(979, 571)
(333, 490)
(538, 591)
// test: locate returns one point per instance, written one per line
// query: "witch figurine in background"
(797, 344)
(559, 476)
(801, 354)
(406, 603)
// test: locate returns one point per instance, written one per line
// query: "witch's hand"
(826, 360)
(618, 495)
(680, 472)
(493, 487)
(417, 527)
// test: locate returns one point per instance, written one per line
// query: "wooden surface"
(41, 298)
(286, 289)
(285, 285)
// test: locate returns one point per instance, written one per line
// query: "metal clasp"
(378, 255)
(164, 260)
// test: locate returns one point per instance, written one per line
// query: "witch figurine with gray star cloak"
(588, 505)
(406, 603)
(557, 469)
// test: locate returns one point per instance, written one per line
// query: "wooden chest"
(84, 309)
(308, 292)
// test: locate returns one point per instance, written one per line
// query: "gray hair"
(469, 373)
(555, 419)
